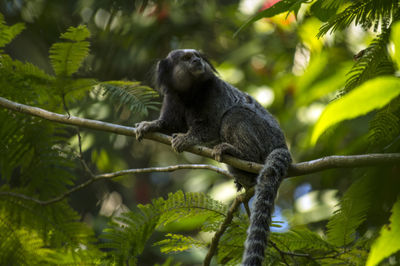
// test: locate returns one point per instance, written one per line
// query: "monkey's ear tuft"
(163, 74)
(162, 65)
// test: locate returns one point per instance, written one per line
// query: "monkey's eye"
(186, 57)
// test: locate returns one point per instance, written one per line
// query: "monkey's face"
(184, 68)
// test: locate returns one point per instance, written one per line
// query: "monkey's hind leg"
(242, 178)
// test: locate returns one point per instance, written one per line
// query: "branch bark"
(98, 177)
(297, 169)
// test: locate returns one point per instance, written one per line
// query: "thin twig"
(116, 174)
(65, 105)
(215, 240)
(81, 159)
(280, 252)
(228, 219)
(288, 252)
(297, 169)
(306, 255)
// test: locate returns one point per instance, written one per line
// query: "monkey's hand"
(146, 126)
(181, 141)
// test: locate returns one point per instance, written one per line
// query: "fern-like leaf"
(23, 82)
(55, 227)
(67, 57)
(178, 243)
(8, 33)
(20, 246)
(230, 246)
(367, 13)
(384, 127)
(353, 208)
(332, 3)
(128, 233)
(29, 150)
(374, 62)
(301, 239)
(137, 98)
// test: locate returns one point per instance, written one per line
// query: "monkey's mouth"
(197, 67)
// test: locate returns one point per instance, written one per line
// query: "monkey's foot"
(181, 141)
(225, 148)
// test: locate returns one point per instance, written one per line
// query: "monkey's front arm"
(171, 120)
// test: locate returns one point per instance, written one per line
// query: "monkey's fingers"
(217, 155)
(219, 150)
(141, 129)
(179, 142)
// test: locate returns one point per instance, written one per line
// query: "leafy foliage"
(354, 205)
(20, 246)
(395, 32)
(373, 62)
(301, 239)
(137, 98)
(178, 243)
(385, 126)
(129, 232)
(8, 33)
(67, 57)
(36, 160)
(388, 241)
(277, 8)
(367, 13)
(371, 95)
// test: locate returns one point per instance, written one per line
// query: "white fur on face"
(181, 77)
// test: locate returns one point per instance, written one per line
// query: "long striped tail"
(268, 182)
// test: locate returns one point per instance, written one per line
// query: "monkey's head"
(183, 69)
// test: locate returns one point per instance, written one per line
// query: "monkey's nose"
(196, 60)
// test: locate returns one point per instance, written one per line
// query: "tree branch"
(329, 162)
(228, 219)
(116, 174)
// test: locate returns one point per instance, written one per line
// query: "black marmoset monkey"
(200, 108)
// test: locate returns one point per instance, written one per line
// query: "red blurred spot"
(268, 3)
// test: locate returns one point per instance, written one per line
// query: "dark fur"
(200, 108)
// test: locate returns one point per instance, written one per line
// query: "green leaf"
(300, 239)
(278, 8)
(178, 243)
(322, 88)
(373, 62)
(8, 33)
(323, 10)
(77, 34)
(139, 99)
(384, 127)
(331, 3)
(371, 95)
(389, 240)
(366, 13)
(67, 57)
(394, 38)
(352, 213)
(127, 235)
